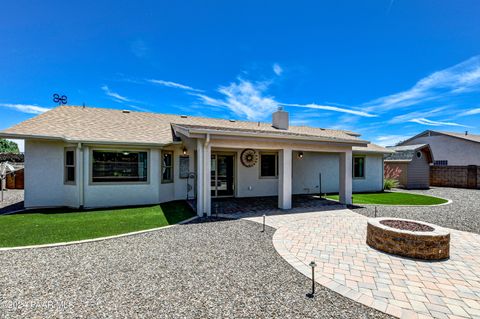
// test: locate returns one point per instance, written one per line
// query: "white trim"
(66, 166)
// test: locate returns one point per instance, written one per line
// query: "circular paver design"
(398, 286)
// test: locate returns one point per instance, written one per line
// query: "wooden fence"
(455, 176)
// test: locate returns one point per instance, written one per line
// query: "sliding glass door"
(222, 175)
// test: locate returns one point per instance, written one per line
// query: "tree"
(8, 146)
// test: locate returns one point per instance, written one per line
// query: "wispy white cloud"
(460, 78)
(331, 108)
(174, 85)
(389, 140)
(139, 48)
(26, 108)
(115, 96)
(244, 98)
(403, 118)
(471, 112)
(249, 99)
(138, 108)
(277, 69)
(428, 122)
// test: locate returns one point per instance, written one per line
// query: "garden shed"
(414, 163)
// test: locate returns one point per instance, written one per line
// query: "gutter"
(206, 177)
(75, 141)
(81, 187)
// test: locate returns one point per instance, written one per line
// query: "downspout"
(80, 176)
(206, 173)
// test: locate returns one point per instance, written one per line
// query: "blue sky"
(387, 69)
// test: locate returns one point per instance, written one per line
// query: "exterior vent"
(280, 119)
(183, 116)
(125, 111)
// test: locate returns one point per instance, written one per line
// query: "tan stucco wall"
(457, 151)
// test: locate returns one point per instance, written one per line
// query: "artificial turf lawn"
(393, 198)
(63, 225)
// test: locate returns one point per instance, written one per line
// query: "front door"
(222, 175)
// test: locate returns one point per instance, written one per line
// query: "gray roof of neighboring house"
(462, 135)
(100, 125)
(405, 152)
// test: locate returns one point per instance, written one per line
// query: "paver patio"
(401, 287)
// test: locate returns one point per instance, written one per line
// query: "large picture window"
(167, 167)
(119, 166)
(268, 165)
(359, 167)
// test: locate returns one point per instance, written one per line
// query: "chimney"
(280, 119)
(466, 132)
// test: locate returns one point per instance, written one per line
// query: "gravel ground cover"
(12, 200)
(214, 269)
(462, 214)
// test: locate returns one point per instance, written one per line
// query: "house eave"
(83, 141)
(202, 132)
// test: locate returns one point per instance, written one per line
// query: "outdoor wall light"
(184, 151)
(300, 155)
(125, 153)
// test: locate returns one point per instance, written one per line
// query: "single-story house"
(449, 148)
(97, 157)
(414, 163)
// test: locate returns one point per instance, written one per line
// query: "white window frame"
(162, 166)
(67, 166)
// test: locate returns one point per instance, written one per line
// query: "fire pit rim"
(437, 230)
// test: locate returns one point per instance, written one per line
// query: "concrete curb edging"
(449, 201)
(68, 243)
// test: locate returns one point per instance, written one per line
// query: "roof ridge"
(349, 132)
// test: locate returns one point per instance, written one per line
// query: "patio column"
(345, 190)
(285, 179)
(200, 181)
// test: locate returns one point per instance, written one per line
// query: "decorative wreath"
(249, 157)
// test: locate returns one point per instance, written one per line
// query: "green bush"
(390, 183)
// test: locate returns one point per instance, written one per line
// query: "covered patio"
(266, 204)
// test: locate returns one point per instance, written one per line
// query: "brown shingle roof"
(102, 125)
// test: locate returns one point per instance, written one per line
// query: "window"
(441, 163)
(167, 167)
(119, 166)
(69, 173)
(268, 165)
(359, 167)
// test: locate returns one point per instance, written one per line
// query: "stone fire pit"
(408, 238)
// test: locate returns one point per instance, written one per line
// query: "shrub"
(390, 183)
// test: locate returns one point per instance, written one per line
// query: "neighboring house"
(414, 162)
(14, 179)
(449, 148)
(94, 157)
